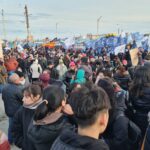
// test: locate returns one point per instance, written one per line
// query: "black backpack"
(134, 133)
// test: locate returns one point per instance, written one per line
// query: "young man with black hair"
(90, 105)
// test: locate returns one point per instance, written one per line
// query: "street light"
(118, 28)
(57, 29)
(98, 20)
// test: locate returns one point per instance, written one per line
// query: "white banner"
(120, 49)
(69, 42)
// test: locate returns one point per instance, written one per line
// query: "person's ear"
(103, 119)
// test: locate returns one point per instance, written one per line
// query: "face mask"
(22, 82)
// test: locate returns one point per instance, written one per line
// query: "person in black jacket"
(146, 141)
(12, 97)
(54, 79)
(48, 121)
(139, 95)
(31, 100)
(90, 105)
(117, 133)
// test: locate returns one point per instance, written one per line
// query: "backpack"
(134, 133)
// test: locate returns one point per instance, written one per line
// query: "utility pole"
(27, 21)
(57, 29)
(3, 23)
(118, 29)
(98, 20)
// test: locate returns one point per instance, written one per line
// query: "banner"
(139, 44)
(69, 42)
(134, 56)
(20, 48)
(120, 49)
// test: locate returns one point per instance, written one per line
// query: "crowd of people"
(62, 99)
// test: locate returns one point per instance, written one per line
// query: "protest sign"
(134, 56)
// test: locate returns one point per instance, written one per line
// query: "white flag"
(120, 49)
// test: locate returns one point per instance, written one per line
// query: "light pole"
(118, 29)
(27, 22)
(98, 20)
(3, 23)
(57, 29)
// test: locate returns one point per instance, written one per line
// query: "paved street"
(4, 121)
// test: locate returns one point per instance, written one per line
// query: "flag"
(120, 49)
(69, 42)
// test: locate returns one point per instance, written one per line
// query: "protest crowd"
(59, 98)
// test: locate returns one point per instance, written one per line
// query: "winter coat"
(11, 64)
(22, 120)
(147, 136)
(44, 134)
(12, 97)
(35, 69)
(141, 106)
(116, 134)
(87, 69)
(3, 74)
(57, 83)
(80, 77)
(62, 70)
(70, 140)
(123, 80)
(21, 64)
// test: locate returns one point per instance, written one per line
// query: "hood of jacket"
(69, 140)
(46, 133)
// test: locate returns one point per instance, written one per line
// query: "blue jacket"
(12, 97)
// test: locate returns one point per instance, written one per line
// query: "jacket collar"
(50, 118)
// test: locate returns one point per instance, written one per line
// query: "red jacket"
(4, 144)
(11, 64)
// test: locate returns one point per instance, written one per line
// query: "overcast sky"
(74, 17)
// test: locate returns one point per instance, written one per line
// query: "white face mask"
(22, 82)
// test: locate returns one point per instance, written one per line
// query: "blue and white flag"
(120, 49)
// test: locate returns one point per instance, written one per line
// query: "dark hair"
(87, 102)
(54, 95)
(50, 62)
(108, 73)
(54, 74)
(33, 89)
(107, 85)
(141, 79)
(84, 60)
(19, 73)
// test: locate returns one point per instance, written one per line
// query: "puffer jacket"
(22, 120)
(12, 96)
(11, 64)
(43, 134)
(141, 106)
(70, 140)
